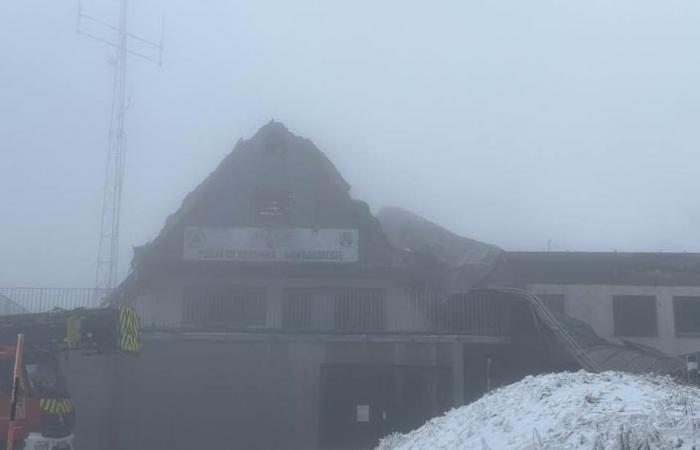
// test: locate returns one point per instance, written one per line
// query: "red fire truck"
(45, 414)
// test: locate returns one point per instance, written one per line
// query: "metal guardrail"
(18, 300)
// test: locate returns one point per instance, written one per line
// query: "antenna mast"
(108, 251)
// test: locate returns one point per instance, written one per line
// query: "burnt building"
(280, 313)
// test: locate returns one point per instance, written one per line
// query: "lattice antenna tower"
(118, 37)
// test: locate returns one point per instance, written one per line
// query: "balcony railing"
(339, 311)
(474, 313)
(18, 300)
(295, 310)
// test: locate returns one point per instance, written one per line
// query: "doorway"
(360, 404)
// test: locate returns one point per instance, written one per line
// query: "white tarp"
(271, 244)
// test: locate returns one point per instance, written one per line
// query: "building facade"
(648, 298)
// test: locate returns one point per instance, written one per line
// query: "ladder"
(545, 314)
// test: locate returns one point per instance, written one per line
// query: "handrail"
(544, 313)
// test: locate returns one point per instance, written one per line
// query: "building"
(280, 313)
(647, 298)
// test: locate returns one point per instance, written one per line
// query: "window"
(231, 305)
(555, 302)
(298, 310)
(635, 315)
(360, 310)
(686, 311)
(333, 309)
(305, 309)
(469, 313)
(272, 206)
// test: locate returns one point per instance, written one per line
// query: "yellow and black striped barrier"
(129, 330)
(56, 405)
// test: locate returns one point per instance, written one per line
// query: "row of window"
(332, 309)
(361, 309)
(636, 315)
(344, 310)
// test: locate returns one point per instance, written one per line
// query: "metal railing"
(334, 310)
(338, 310)
(474, 313)
(18, 300)
(224, 306)
(550, 319)
(314, 310)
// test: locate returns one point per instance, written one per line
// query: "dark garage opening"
(362, 403)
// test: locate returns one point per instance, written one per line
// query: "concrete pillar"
(457, 374)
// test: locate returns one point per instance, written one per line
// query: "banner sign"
(271, 244)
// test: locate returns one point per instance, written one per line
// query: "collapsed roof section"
(572, 341)
(465, 264)
(454, 262)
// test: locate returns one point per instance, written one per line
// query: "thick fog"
(525, 124)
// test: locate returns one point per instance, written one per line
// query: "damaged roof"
(580, 343)
(464, 263)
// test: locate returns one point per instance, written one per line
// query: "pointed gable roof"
(247, 160)
(273, 158)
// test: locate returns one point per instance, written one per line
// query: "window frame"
(206, 296)
(341, 310)
(617, 304)
(677, 299)
(360, 310)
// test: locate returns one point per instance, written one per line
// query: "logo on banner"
(196, 238)
(346, 239)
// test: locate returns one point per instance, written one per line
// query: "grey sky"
(512, 122)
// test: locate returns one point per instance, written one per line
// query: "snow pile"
(582, 411)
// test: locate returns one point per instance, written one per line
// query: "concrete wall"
(231, 393)
(594, 305)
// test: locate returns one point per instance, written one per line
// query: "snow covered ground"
(582, 411)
